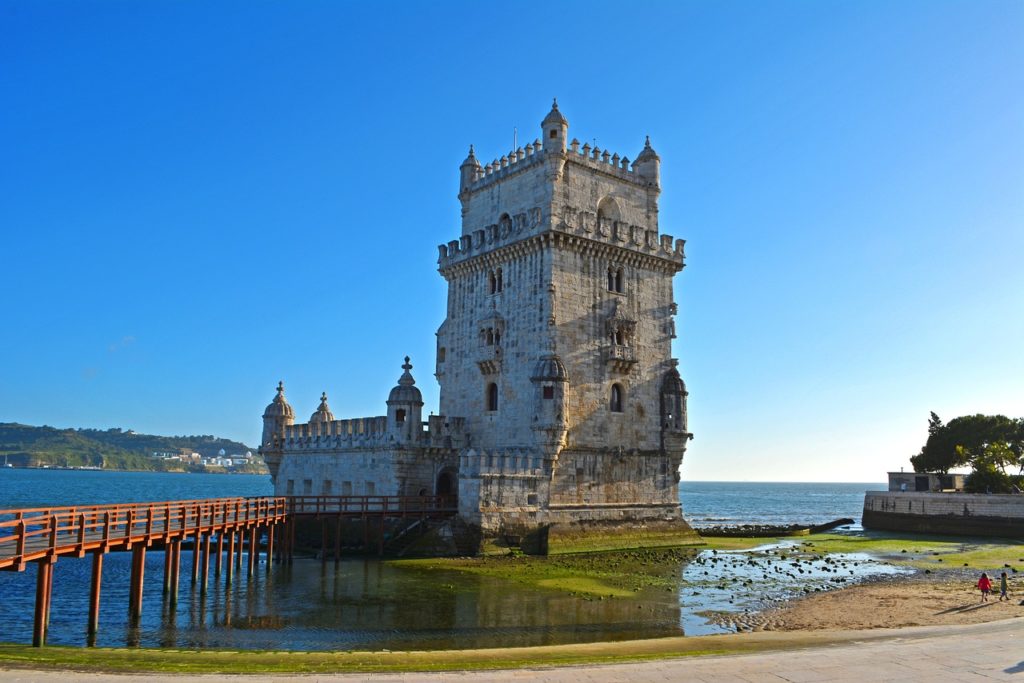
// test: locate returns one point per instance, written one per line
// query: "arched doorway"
(447, 484)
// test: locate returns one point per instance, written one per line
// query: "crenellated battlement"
(516, 463)
(533, 154)
(360, 432)
(369, 432)
(573, 221)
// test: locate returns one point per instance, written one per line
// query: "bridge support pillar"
(337, 541)
(94, 593)
(137, 580)
(205, 575)
(271, 530)
(168, 559)
(44, 589)
(220, 553)
(175, 569)
(196, 543)
(231, 557)
(254, 550)
(241, 543)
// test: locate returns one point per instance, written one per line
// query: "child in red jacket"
(984, 585)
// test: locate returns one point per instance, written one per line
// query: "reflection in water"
(361, 604)
(372, 605)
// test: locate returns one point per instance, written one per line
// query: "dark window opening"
(493, 282)
(400, 415)
(611, 280)
(497, 337)
(440, 355)
(618, 281)
(549, 392)
(616, 399)
(492, 397)
(554, 133)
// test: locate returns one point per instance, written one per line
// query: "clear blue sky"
(198, 199)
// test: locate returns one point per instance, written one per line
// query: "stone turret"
(648, 164)
(468, 171)
(323, 413)
(277, 416)
(405, 407)
(550, 379)
(556, 128)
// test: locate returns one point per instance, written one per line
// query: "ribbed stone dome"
(279, 406)
(554, 116)
(550, 369)
(405, 392)
(647, 152)
(323, 413)
(673, 384)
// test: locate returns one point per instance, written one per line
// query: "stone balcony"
(489, 360)
(620, 358)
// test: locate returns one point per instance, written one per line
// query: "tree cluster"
(991, 445)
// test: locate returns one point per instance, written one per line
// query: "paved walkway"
(979, 652)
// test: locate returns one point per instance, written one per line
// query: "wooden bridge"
(222, 527)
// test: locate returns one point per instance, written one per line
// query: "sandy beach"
(917, 600)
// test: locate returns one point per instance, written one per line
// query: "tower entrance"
(447, 484)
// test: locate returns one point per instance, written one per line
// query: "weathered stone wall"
(946, 513)
(359, 473)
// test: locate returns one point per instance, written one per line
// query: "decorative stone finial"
(323, 398)
(407, 365)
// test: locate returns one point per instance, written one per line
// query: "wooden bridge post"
(196, 542)
(137, 579)
(231, 556)
(175, 569)
(253, 550)
(323, 540)
(94, 593)
(44, 588)
(206, 563)
(271, 529)
(220, 553)
(168, 561)
(337, 540)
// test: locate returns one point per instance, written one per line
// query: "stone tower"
(556, 348)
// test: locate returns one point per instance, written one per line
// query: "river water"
(370, 604)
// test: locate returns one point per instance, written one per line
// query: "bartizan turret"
(276, 417)
(405, 407)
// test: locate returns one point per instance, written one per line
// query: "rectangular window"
(346, 488)
(549, 392)
(290, 490)
(307, 487)
(328, 486)
(371, 488)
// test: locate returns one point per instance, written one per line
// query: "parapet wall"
(533, 153)
(369, 432)
(574, 221)
(972, 514)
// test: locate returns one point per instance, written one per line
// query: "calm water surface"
(367, 604)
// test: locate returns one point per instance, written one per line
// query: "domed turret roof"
(405, 392)
(471, 159)
(550, 369)
(279, 406)
(647, 153)
(554, 116)
(673, 383)
(323, 413)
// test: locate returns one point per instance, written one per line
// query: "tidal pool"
(368, 604)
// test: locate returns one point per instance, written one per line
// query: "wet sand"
(917, 600)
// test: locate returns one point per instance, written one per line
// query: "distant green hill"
(113, 449)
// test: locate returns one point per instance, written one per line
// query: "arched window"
(618, 280)
(500, 280)
(611, 280)
(492, 397)
(490, 336)
(493, 281)
(400, 415)
(615, 404)
(497, 337)
(620, 338)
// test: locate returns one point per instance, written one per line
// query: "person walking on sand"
(984, 585)
(1003, 588)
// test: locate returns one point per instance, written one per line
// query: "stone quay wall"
(967, 514)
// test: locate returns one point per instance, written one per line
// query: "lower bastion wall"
(974, 514)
